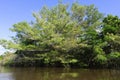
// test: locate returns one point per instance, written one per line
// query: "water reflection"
(57, 74)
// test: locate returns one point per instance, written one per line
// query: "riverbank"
(17, 60)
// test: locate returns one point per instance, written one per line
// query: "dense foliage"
(69, 36)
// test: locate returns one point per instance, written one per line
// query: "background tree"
(111, 35)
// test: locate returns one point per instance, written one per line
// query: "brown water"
(57, 74)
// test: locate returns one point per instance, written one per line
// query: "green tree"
(110, 36)
(111, 33)
(68, 34)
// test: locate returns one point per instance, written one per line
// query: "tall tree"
(62, 29)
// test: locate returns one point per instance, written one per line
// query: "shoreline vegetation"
(65, 36)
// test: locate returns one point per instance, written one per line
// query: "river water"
(58, 74)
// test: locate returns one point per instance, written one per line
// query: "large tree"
(68, 30)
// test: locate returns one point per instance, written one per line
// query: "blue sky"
(13, 11)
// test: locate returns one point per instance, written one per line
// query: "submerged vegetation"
(66, 36)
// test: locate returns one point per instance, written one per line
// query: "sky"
(14, 11)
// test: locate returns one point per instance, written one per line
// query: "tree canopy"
(75, 35)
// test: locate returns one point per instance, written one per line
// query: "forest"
(65, 36)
